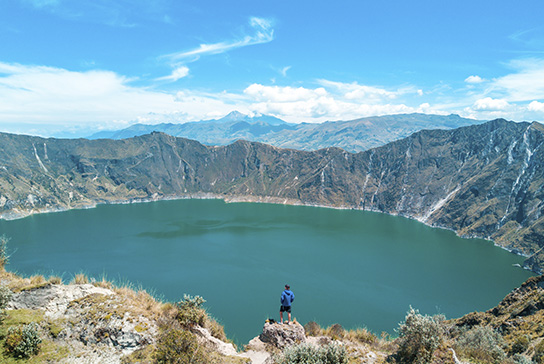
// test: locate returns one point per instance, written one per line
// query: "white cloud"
(178, 73)
(263, 33)
(103, 99)
(367, 94)
(489, 104)
(474, 79)
(335, 101)
(39, 94)
(536, 106)
(354, 91)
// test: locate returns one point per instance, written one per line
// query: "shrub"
(5, 297)
(216, 329)
(419, 337)
(308, 354)
(520, 345)
(177, 346)
(312, 328)
(538, 357)
(190, 312)
(521, 359)
(4, 257)
(363, 335)
(482, 344)
(336, 331)
(23, 342)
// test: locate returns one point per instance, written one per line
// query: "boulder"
(282, 335)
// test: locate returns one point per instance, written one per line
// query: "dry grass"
(17, 283)
(37, 280)
(55, 280)
(103, 283)
(216, 329)
(361, 335)
(141, 300)
(80, 279)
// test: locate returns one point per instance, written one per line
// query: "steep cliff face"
(484, 180)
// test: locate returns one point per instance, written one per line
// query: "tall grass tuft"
(80, 279)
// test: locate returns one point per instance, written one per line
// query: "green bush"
(176, 346)
(419, 337)
(309, 354)
(23, 342)
(190, 312)
(482, 344)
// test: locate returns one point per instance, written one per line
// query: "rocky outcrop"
(282, 335)
(53, 299)
(214, 343)
(97, 316)
(480, 181)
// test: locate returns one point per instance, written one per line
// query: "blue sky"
(105, 64)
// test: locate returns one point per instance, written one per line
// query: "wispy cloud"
(284, 70)
(263, 32)
(524, 84)
(532, 39)
(177, 74)
(368, 94)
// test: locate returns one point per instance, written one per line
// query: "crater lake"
(355, 268)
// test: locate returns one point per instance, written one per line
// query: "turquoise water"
(350, 267)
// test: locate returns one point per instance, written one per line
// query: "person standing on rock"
(287, 298)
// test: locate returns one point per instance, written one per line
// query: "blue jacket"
(287, 297)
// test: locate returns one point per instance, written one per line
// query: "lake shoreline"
(244, 199)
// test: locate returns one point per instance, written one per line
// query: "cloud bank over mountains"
(105, 99)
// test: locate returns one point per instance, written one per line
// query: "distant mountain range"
(482, 180)
(353, 136)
